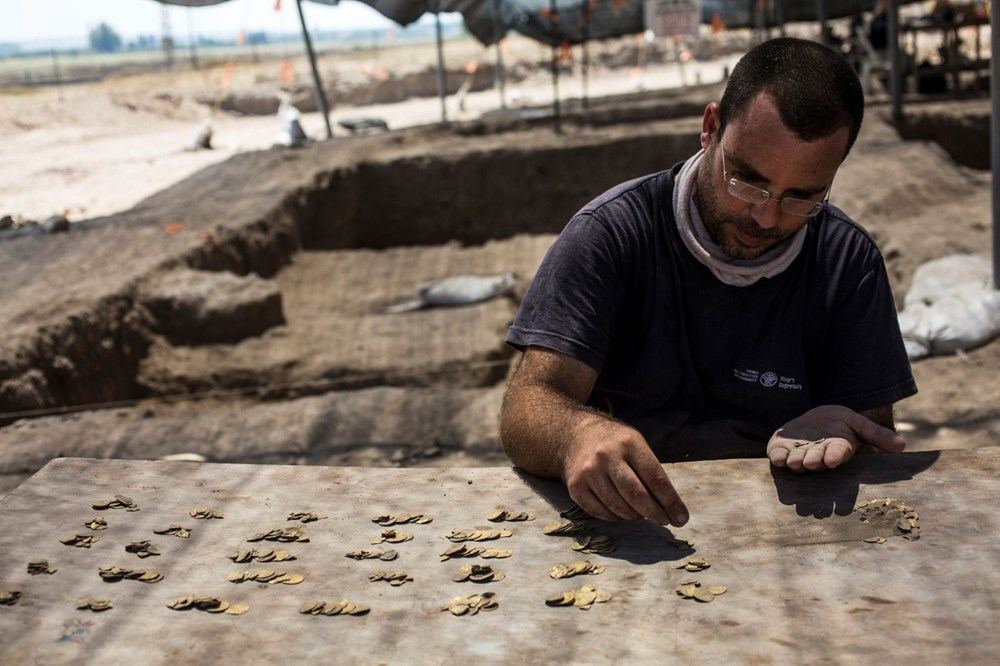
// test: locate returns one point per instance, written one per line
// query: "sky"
(27, 21)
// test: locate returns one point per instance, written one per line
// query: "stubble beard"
(716, 222)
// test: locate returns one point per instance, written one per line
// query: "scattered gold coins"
(566, 527)
(875, 539)
(597, 545)
(262, 555)
(478, 534)
(885, 509)
(502, 513)
(174, 530)
(305, 517)
(96, 604)
(97, 524)
(389, 520)
(384, 555)
(471, 605)
(40, 567)
(284, 535)
(206, 514)
(463, 550)
(142, 549)
(693, 589)
(575, 513)
(338, 607)
(575, 569)
(692, 564)
(209, 604)
(117, 502)
(393, 536)
(80, 540)
(394, 578)
(266, 576)
(583, 598)
(115, 574)
(682, 544)
(477, 573)
(9, 597)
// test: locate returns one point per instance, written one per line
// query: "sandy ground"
(94, 150)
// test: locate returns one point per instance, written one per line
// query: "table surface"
(803, 585)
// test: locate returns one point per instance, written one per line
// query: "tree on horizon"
(104, 39)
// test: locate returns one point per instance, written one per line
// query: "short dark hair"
(814, 88)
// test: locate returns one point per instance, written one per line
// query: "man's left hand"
(826, 437)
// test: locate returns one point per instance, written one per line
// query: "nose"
(766, 215)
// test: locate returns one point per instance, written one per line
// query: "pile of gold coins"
(115, 574)
(575, 569)
(471, 605)
(583, 598)
(384, 555)
(339, 607)
(266, 576)
(394, 578)
(206, 514)
(174, 530)
(208, 604)
(117, 502)
(477, 573)
(262, 555)
(283, 535)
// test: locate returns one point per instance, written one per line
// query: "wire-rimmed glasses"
(756, 196)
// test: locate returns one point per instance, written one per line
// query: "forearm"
(539, 425)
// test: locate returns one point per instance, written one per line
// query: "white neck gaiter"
(735, 272)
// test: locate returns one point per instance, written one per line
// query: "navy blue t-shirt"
(675, 348)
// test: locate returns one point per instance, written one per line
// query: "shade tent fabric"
(575, 21)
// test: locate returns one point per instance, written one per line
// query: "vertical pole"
(192, 49)
(498, 32)
(442, 90)
(895, 64)
(55, 73)
(821, 17)
(318, 87)
(995, 142)
(586, 55)
(556, 116)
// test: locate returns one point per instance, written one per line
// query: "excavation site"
(266, 309)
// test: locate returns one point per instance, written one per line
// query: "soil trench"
(242, 314)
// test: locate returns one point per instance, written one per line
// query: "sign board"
(667, 18)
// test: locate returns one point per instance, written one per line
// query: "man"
(719, 309)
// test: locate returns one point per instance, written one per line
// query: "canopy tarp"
(489, 20)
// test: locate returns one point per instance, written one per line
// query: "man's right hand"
(611, 472)
(608, 467)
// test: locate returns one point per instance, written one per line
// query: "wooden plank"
(803, 586)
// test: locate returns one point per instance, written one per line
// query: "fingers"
(627, 486)
(881, 438)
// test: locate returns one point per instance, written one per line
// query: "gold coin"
(238, 608)
(717, 589)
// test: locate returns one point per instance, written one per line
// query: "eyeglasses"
(756, 196)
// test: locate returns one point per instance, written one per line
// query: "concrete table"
(803, 585)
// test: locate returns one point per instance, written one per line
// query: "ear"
(709, 124)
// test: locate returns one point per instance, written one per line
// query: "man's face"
(761, 151)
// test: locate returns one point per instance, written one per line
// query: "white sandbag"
(465, 289)
(951, 306)
(457, 290)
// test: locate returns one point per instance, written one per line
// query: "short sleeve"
(572, 303)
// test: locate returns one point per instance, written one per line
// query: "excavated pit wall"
(471, 195)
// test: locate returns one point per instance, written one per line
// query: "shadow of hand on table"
(636, 541)
(823, 494)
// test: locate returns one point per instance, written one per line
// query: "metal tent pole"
(440, 53)
(895, 66)
(555, 77)
(995, 143)
(320, 95)
(500, 78)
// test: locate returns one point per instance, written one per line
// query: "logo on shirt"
(767, 379)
